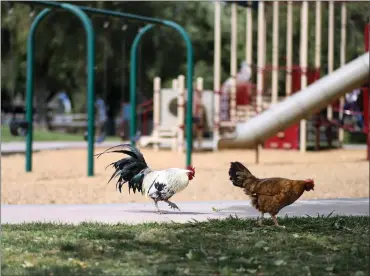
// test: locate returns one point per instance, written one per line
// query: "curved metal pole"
(90, 82)
(29, 88)
(133, 77)
(189, 83)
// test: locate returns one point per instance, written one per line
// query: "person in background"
(65, 102)
(101, 119)
(352, 105)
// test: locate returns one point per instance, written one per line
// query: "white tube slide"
(300, 105)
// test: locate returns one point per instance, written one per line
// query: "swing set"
(25, 127)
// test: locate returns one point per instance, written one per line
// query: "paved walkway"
(201, 211)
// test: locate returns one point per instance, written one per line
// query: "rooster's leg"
(172, 205)
(156, 207)
(260, 219)
(274, 218)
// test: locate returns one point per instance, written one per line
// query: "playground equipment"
(238, 100)
(300, 105)
(168, 108)
(79, 11)
(288, 135)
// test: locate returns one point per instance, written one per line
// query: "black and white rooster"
(158, 185)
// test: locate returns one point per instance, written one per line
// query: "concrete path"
(20, 147)
(201, 211)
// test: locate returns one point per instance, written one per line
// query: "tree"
(60, 47)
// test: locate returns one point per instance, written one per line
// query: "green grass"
(307, 246)
(354, 138)
(45, 136)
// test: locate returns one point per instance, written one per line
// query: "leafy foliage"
(60, 51)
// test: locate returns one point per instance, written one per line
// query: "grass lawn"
(40, 135)
(307, 246)
(354, 138)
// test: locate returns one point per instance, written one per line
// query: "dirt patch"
(60, 176)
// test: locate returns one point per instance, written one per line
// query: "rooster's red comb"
(191, 168)
(309, 180)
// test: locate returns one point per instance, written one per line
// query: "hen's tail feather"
(129, 169)
(239, 173)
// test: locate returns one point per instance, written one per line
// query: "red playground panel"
(244, 92)
(289, 138)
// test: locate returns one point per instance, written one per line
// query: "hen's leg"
(156, 207)
(276, 222)
(260, 219)
(172, 205)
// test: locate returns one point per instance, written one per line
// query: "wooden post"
(343, 40)
(249, 45)
(200, 126)
(217, 74)
(260, 62)
(233, 59)
(318, 59)
(303, 65)
(181, 113)
(275, 53)
(260, 55)
(330, 50)
(257, 155)
(289, 49)
(318, 35)
(249, 37)
(156, 109)
(175, 88)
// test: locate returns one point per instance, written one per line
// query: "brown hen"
(268, 195)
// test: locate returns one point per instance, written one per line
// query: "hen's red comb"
(309, 180)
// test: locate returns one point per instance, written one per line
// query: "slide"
(300, 105)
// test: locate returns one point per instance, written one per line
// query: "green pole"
(178, 28)
(189, 82)
(29, 86)
(133, 77)
(90, 83)
(90, 41)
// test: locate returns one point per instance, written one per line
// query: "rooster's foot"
(159, 212)
(173, 205)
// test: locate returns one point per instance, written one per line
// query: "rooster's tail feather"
(239, 173)
(131, 169)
